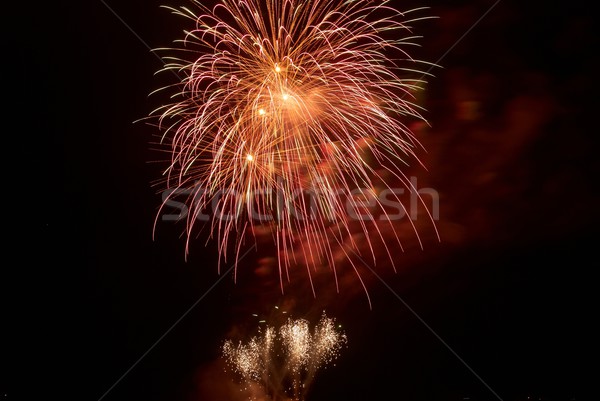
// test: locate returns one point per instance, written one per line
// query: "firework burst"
(290, 114)
(283, 362)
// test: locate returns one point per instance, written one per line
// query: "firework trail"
(291, 119)
(281, 364)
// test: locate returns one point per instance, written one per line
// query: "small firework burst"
(282, 362)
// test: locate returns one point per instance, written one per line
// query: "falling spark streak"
(279, 103)
(283, 362)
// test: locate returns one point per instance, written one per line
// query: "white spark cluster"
(284, 361)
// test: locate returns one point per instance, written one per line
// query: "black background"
(509, 288)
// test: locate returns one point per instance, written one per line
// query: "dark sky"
(502, 304)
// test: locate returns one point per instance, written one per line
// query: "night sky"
(500, 308)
